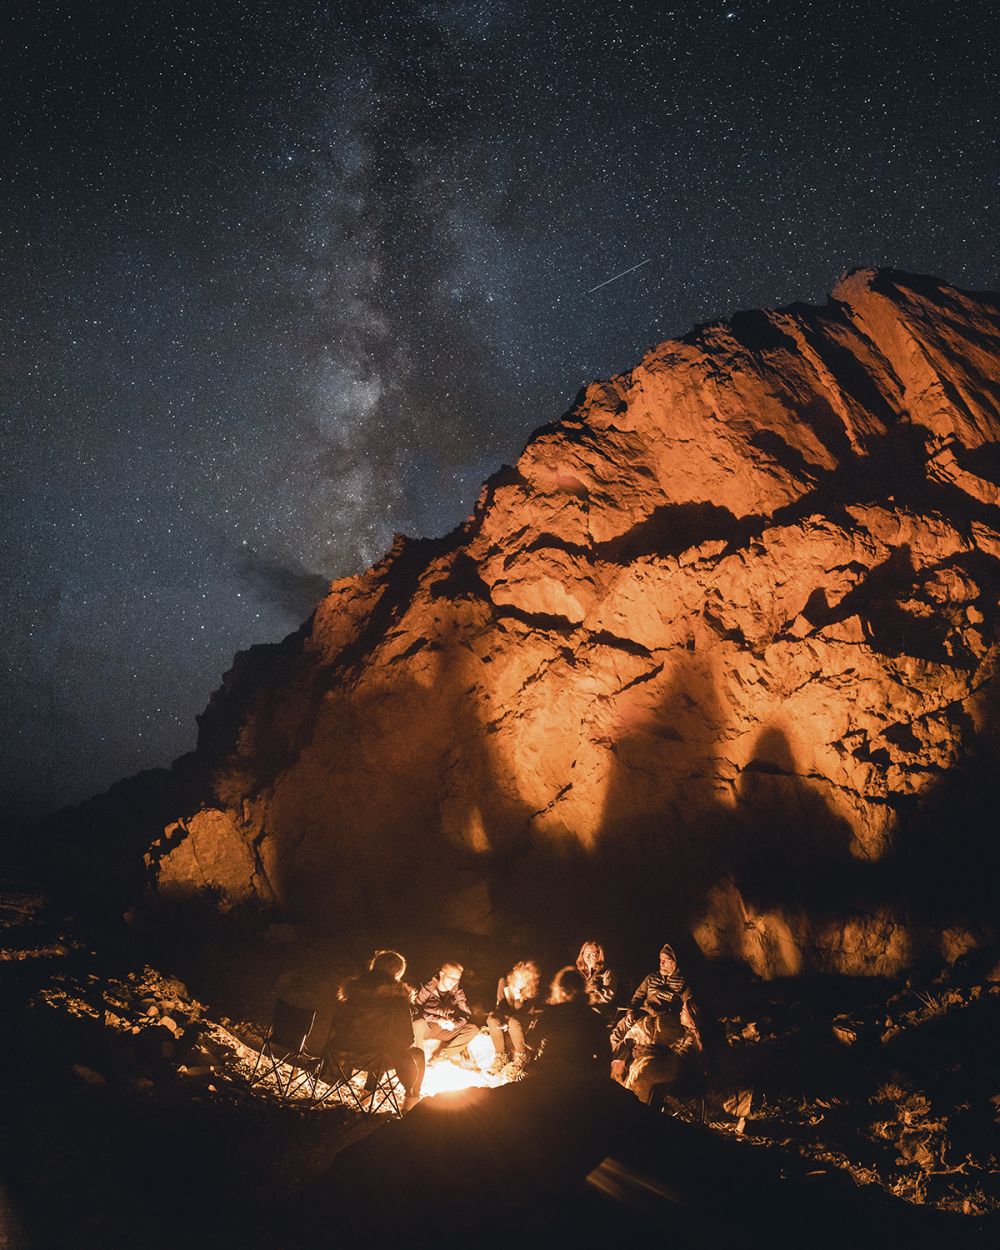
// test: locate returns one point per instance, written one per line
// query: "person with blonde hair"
(599, 979)
(510, 1019)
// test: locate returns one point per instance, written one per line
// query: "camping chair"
(335, 1072)
(342, 1065)
(284, 1046)
(379, 1089)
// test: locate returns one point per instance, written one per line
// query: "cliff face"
(718, 655)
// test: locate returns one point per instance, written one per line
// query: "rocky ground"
(129, 1120)
(896, 1083)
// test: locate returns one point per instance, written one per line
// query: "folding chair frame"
(684, 1095)
(693, 1109)
(303, 1067)
(381, 1076)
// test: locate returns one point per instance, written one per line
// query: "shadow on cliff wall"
(671, 833)
(647, 872)
(408, 846)
(675, 827)
(946, 854)
(470, 852)
(405, 816)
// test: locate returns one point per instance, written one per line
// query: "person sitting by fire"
(441, 1013)
(659, 1028)
(570, 1034)
(373, 1017)
(599, 979)
(665, 988)
(512, 1017)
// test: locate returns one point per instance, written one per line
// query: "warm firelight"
(444, 1077)
(447, 1078)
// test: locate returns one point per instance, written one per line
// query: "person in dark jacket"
(661, 1018)
(664, 990)
(373, 1016)
(441, 1013)
(570, 1034)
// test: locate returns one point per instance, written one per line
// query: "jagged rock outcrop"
(718, 655)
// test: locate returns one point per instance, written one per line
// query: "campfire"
(444, 1077)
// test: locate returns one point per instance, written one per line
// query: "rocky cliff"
(718, 655)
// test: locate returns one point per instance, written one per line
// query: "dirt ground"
(834, 1111)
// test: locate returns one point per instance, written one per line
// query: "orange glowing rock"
(718, 654)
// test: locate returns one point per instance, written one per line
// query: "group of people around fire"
(579, 1023)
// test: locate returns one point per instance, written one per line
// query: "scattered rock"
(844, 1033)
(89, 1075)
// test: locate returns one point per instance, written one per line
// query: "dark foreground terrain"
(837, 1113)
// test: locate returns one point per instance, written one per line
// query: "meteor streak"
(619, 275)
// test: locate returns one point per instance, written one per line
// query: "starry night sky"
(282, 279)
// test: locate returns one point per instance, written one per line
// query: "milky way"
(284, 279)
